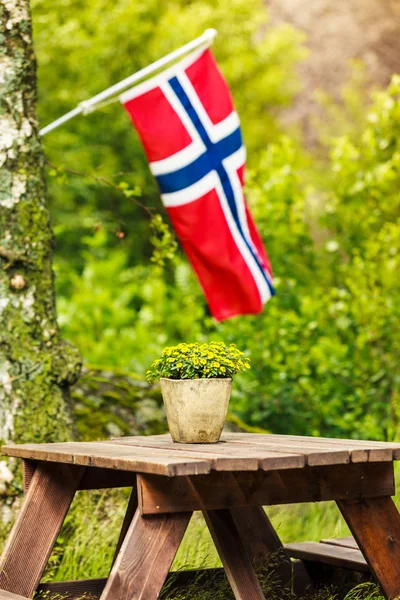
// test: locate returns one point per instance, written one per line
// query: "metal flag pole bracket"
(87, 106)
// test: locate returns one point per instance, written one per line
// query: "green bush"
(328, 362)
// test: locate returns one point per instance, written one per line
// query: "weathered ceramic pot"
(196, 408)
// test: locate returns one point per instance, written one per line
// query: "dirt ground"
(338, 31)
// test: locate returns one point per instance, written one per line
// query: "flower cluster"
(198, 361)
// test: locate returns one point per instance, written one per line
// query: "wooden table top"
(157, 454)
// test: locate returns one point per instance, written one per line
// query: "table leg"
(34, 534)
(261, 540)
(375, 525)
(146, 555)
(130, 513)
(264, 547)
(28, 469)
(233, 554)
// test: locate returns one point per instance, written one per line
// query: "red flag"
(191, 135)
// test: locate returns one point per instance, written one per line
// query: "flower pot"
(196, 408)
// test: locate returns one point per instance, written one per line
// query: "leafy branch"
(162, 237)
(121, 187)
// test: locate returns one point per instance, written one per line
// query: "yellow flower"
(171, 359)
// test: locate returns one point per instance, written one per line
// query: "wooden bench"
(338, 552)
(229, 482)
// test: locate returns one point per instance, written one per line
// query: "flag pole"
(88, 106)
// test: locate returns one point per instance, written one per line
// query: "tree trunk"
(36, 367)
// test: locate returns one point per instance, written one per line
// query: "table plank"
(316, 452)
(317, 439)
(313, 450)
(223, 457)
(360, 450)
(100, 454)
(236, 452)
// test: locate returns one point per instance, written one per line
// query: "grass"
(85, 548)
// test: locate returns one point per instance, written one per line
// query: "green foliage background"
(325, 351)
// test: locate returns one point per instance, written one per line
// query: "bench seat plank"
(346, 558)
(345, 542)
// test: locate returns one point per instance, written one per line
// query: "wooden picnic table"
(229, 482)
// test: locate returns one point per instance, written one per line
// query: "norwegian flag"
(191, 135)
